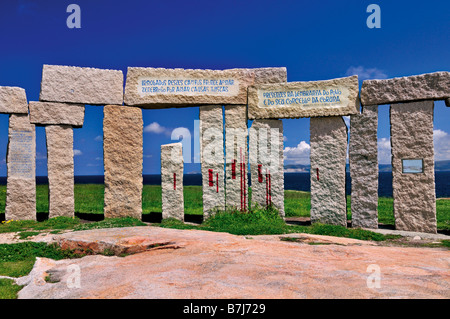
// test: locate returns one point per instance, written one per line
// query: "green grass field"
(89, 200)
(17, 259)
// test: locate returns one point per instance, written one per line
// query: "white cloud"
(384, 150)
(365, 73)
(298, 154)
(155, 128)
(441, 141)
(77, 152)
(439, 135)
(285, 138)
(98, 138)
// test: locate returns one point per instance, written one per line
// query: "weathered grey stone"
(81, 85)
(13, 100)
(123, 158)
(44, 113)
(270, 75)
(429, 86)
(236, 156)
(414, 194)
(172, 181)
(158, 87)
(328, 161)
(60, 170)
(21, 167)
(267, 163)
(212, 159)
(304, 99)
(363, 158)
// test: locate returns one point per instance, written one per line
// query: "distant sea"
(292, 181)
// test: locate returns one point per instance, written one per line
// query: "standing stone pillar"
(413, 166)
(267, 164)
(328, 161)
(21, 169)
(60, 170)
(363, 157)
(172, 181)
(212, 158)
(236, 187)
(123, 158)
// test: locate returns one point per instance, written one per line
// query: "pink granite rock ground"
(200, 264)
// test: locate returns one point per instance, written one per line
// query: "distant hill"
(439, 166)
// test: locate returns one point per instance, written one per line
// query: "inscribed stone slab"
(429, 86)
(304, 99)
(60, 168)
(81, 85)
(45, 113)
(212, 159)
(328, 161)
(159, 87)
(363, 158)
(123, 160)
(172, 181)
(267, 163)
(13, 100)
(21, 167)
(414, 193)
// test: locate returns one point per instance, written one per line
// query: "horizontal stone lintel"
(335, 97)
(155, 88)
(13, 100)
(429, 86)
(48, 113)
(71, 84)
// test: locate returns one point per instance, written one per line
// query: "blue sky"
(315, 40)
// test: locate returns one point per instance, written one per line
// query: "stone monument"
(328, 161)
(123, 158)
(413, 166)
(51, 113)
(267, 164)
(412, 143)
(236, 157)
(13, 100)
(304, 99)
(21, 155)
(363, 158)
(21, 169)
(158, 87)
(60, 169)
(172, 181)
(212, 159)
(81, 85)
